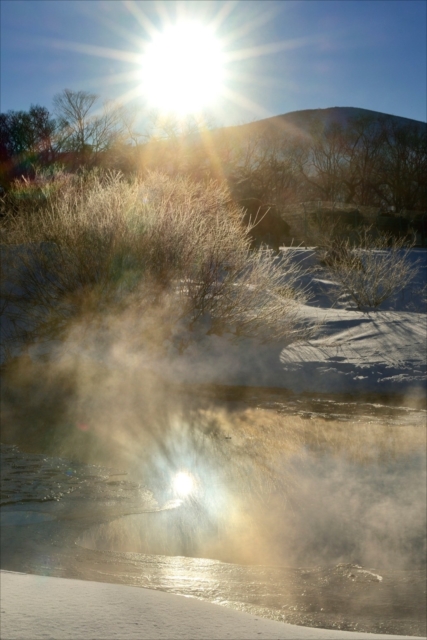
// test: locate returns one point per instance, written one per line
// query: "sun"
(183, 69)
(183, 484)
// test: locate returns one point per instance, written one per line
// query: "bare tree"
(74, 121)
(265, 166)
(400, 178)
(370, 161)
(362, 150)
(82, 131)
(324, 161)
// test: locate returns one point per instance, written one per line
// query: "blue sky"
(302, 54)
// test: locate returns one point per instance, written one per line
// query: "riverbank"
(39, 606)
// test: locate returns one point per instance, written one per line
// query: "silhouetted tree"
(400, 178)
(362, 151)
(324, 162)
(26, 137)
(81, 131)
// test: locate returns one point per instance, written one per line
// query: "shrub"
(369, 267)
(169, 257)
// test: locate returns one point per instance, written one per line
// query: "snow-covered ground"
(35, 607)
(382, 351)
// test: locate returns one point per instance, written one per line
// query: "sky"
(280, 56)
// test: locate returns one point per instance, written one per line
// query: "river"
(309, 510)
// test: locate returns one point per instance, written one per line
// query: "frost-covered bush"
(369, 267)
(168, 257)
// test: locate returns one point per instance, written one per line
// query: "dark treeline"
(75, 136)
(370, 160)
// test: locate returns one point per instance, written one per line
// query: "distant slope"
(300, 122)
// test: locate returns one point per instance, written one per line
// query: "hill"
(301, 122)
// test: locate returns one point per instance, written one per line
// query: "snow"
(381, 352)
(44, 607)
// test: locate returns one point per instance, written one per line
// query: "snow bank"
(382, 352)
(43, 607)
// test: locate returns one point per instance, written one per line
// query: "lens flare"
(183, 484)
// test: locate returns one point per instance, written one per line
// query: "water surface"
(312, 512)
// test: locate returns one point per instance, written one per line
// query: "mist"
(271, 488)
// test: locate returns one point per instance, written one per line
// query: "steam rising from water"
(271, 488)
(338, 511)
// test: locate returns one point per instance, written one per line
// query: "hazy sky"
(288, 55)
